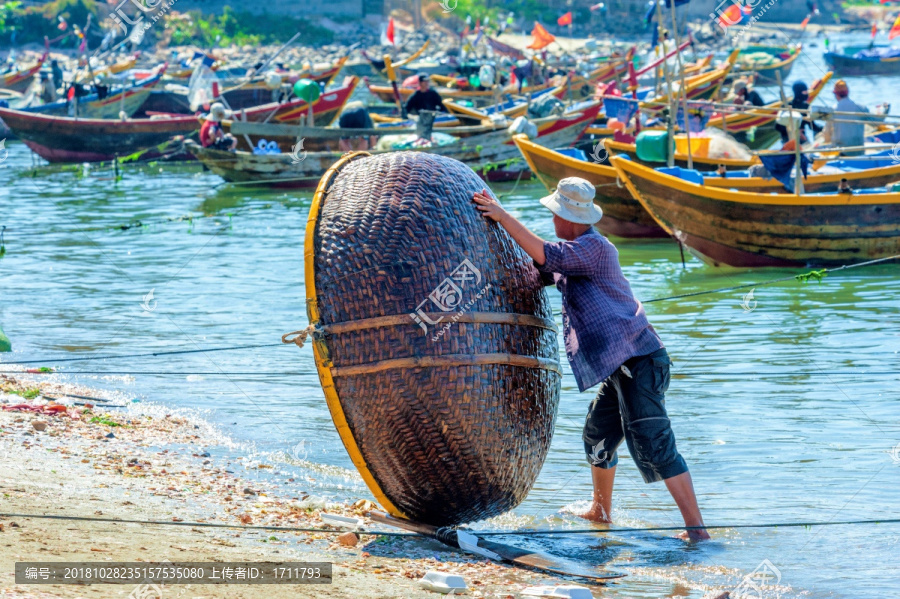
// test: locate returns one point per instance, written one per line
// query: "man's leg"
(682, 489)
(602, 436)
(601, 505)
(649, 435)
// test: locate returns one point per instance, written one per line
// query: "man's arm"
(531, 243)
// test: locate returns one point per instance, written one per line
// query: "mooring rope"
(756, 374)
(817, 274)
(487, 533)
(146, 355)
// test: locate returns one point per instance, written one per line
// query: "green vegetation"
(104, 420)
(33, 23)
(238, 27)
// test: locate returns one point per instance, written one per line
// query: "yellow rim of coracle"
(312, 310)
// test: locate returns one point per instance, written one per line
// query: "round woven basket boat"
(433, 337)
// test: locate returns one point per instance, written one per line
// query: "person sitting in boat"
(355, 116)
(609, 342)
(211, 133)
(800, 101)
(742, 94)
(425, 98)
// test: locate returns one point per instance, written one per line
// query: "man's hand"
(489, 207)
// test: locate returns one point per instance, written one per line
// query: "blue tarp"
(878, 53)
(782, 168)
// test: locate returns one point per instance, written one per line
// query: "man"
(608, 342)
(355, 116)
(211, 133)
(800, 101)
(425, 98)
(742, 94)
(846, 134)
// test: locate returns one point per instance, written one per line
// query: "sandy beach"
(125, 464)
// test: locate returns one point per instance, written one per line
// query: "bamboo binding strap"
(300, 337)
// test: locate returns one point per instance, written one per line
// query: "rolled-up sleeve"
(573, 258)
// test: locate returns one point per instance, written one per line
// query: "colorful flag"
(542, 37)
(895, 29)
(566, 19)
(805, 22)
(874, 30)
(389, 37)
(731, 16)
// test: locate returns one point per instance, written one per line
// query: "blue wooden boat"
(863, 61)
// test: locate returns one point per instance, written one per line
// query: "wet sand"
(154, 467)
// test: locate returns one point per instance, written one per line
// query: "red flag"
(874, 30)
(542, 37)
(731, 16)
(805, 22)
(895, 29)
(389, 33)
(566, 19)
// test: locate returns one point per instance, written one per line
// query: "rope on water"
(805, 277)
(146, 355)
(487, 533)
(817, 274)
(299, 373)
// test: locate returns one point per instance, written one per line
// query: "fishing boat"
(748, 229)
(127, 99)
(755, 127)
(19, 80)
(385, 93)
(704, 86)
(478, 147)
(769, 64)
(864, 61)
(107, 71)
(256, 91)
(623, 216)
(67, 139)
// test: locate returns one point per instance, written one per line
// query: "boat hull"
(847, 66)
(745, 229)
(63, 139)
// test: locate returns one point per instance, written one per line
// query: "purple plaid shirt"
(603, 323)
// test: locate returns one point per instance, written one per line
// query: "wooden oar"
(470, 543)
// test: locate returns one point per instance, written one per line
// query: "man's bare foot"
(597, 514)
(694, 535)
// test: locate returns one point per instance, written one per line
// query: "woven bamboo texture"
(450, 422)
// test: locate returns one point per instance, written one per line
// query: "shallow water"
(788, 412)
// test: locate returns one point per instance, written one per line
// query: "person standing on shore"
(609, 342)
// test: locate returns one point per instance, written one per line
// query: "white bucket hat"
(573, 201)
